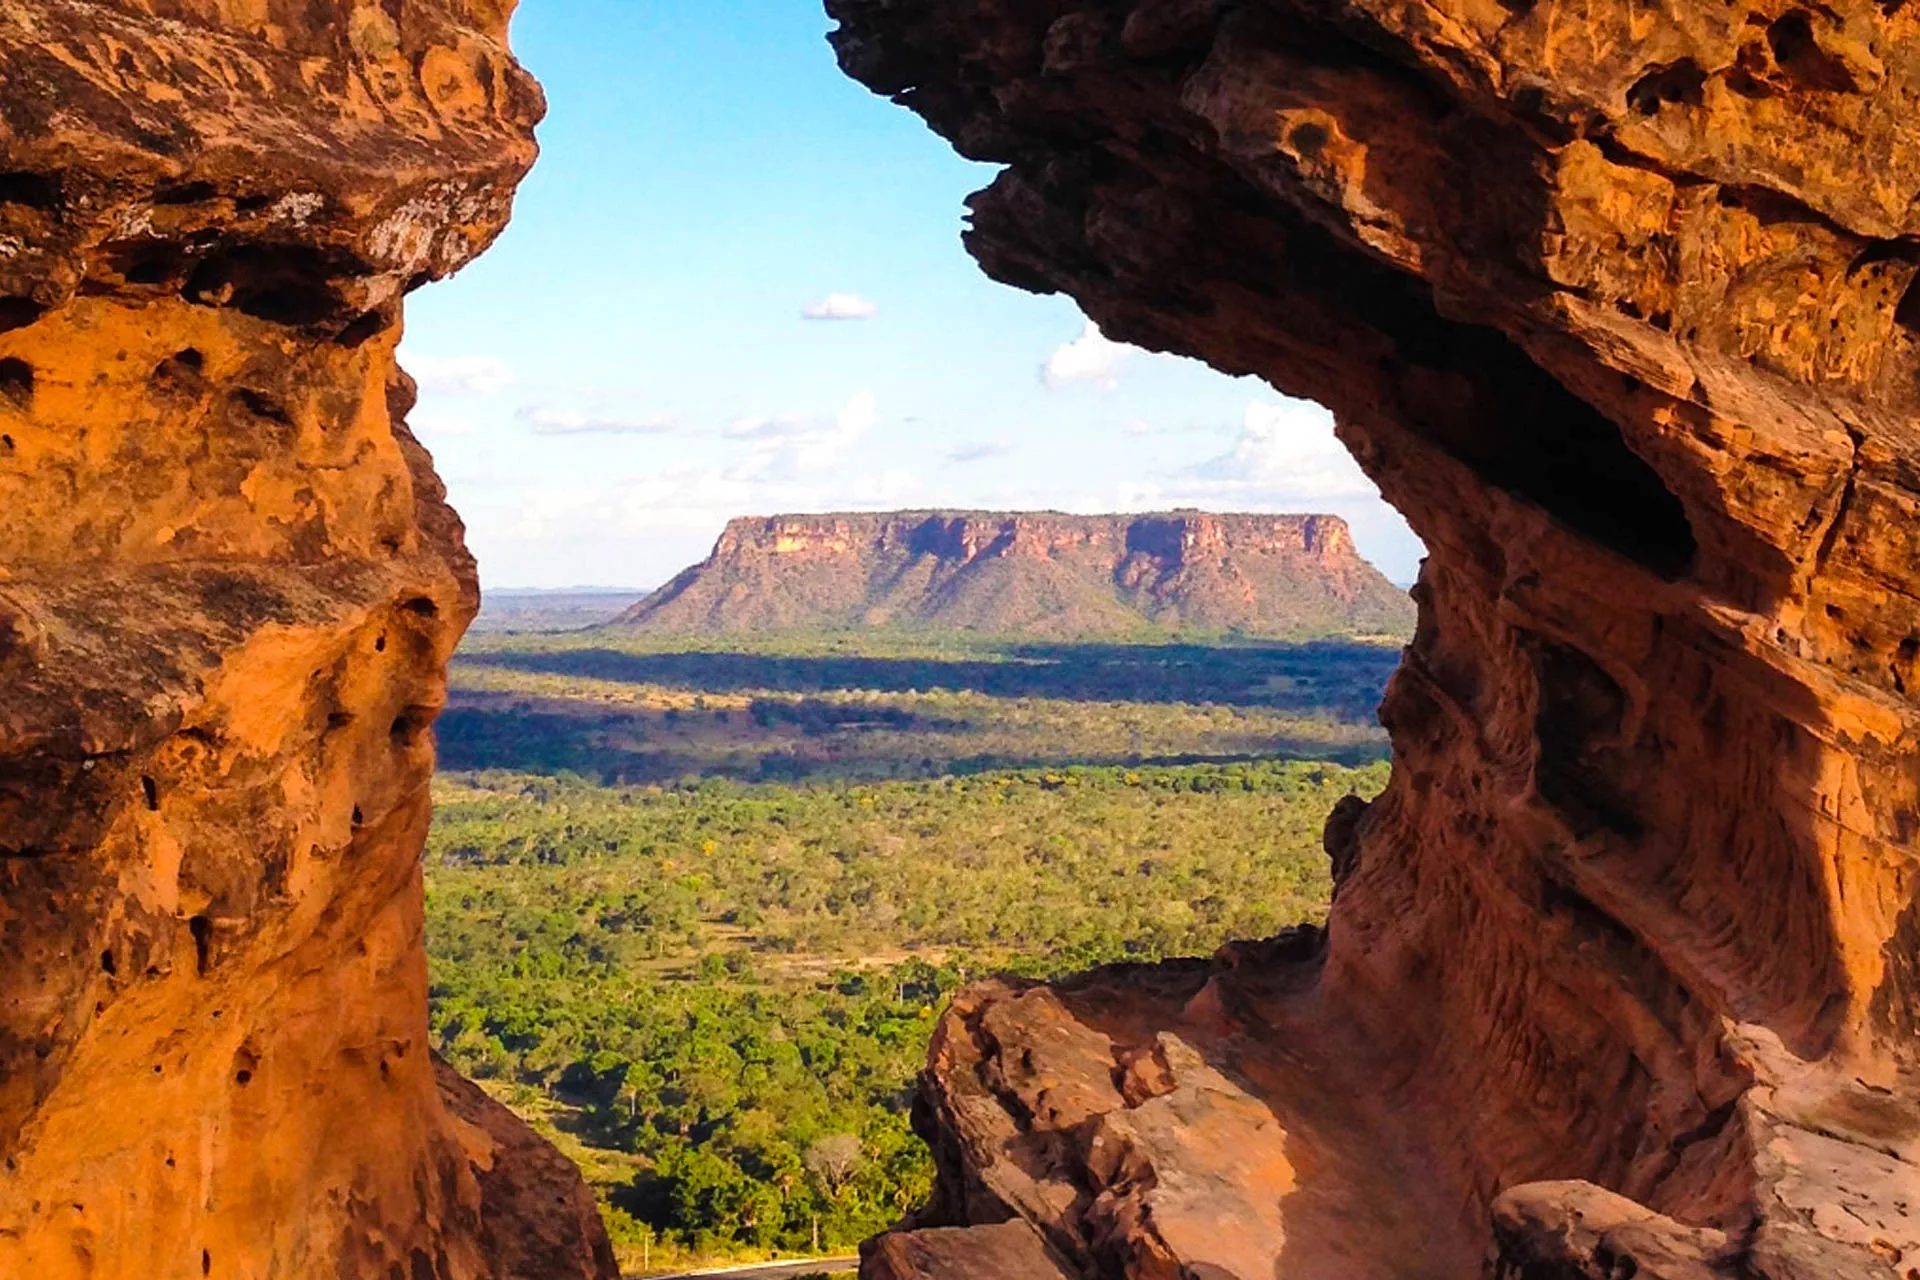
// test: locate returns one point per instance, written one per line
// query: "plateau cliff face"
(229, 586)
(1619, 303)
(1035, 573)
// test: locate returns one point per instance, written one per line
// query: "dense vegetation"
(716, 993)
(806, 707)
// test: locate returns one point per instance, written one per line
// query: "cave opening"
(867, 739)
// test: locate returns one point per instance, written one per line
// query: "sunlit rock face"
(1617, 302)
(229, 585)
(1032, 573)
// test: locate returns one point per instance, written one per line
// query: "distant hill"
(542, 609)
(1033, 573)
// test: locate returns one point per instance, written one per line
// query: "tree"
(833, 1161)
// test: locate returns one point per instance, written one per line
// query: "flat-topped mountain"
(1038, 573)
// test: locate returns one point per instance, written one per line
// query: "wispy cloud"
(547, 421)
(785, 449)
(1092, 358)
(979, 451)
(769, 428)
(1141, 429)
(651, 525)
(840, 306)
(459, 375)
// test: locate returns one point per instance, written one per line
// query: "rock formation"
(229, 585)
(1619, 303)
(1033, 573)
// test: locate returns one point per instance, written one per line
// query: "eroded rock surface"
(229, 585)
(1618, 303)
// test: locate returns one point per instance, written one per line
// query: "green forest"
(704, 953)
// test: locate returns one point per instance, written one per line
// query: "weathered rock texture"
(229, 585)
(1035, 573)
(1617, 302)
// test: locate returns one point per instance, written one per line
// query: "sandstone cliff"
(1033, 573)
(229, 585)
(1619, 303)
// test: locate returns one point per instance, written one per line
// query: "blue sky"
(634, 362)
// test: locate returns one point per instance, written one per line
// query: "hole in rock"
(179, 371)
(18, 313)
(6, 444)
(264, 406)
(1309, 139)
(202, 930)
(149, 263)
(1576, 721)
(185, 193)
(365, 326)
(1797, 50)
(422, 606)
(108, 965)
(16, 382)
(408, 726)
(1906, 312)
(1681, 83)
(33, 190)
(206, 1262)
(151, 791)
(283, 284)
(245, 1063)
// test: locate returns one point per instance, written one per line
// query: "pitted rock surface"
(229, 586)
(1619, 304)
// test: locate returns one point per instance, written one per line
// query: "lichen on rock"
(1619, 305)
(229, 586)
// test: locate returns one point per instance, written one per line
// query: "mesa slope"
(1032, 573)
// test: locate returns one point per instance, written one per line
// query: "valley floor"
(694, 911)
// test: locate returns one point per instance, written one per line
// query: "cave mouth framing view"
(709, 862)
(1003, 817)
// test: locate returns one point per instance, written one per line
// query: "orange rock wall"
(1620, 305)
(1033, 573)
(229, 586)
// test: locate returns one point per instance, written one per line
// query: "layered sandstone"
(229, 586)
(1033, 573)
(1619, 303)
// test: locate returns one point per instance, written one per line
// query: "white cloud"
(566, 422)
(768, 428)
(642, 529)
(840, 306)
(1090, 358)
(1141, 429)
(979, 451)
(459, 375)
(1286, 452)
(785, 449)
